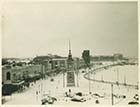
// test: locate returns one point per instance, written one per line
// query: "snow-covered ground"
(57, 88)
(126, 73)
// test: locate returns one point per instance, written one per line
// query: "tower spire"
(69, 45)
(69, 55)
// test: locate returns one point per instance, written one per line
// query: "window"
(56, 63)
(14, 76)
(8, 76)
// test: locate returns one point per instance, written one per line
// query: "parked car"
(97, 95)
(78, 99)
(83, 71)
(79, 94)
(136, 97)
(48, 100)
(52, 80)
(133, 102)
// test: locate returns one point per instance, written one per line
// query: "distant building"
(106, 58)
(86, 57)
(114, 57)
(118, 56)
(76, 63)
(59, 62)
(51, 62)
(82, 63)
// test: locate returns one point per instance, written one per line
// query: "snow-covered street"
(34, 94)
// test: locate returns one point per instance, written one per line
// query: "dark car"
(133, 102)
(48, 100)
(83, 71)
(78, 99)
(136, 97)
(52, 79)
(79, 94)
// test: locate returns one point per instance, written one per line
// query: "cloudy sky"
(39, 28)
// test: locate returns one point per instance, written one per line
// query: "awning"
(18, 83)
(33, 75)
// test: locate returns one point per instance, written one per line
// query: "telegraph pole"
(112, 98)
(117, 75)
(124, 80)
(77, 69)
(77, 80)
(89, 80)
(63, 79)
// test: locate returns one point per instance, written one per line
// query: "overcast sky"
(39, 28)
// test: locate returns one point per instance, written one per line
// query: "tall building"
(86, 57)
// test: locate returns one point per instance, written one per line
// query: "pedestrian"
(69, 90)
(97, 101)
(37, 95)
(36, 92)
(66, 94)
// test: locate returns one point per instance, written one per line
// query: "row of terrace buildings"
(16, 76)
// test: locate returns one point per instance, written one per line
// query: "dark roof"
(42, 58)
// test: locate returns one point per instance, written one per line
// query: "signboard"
(70, 79)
